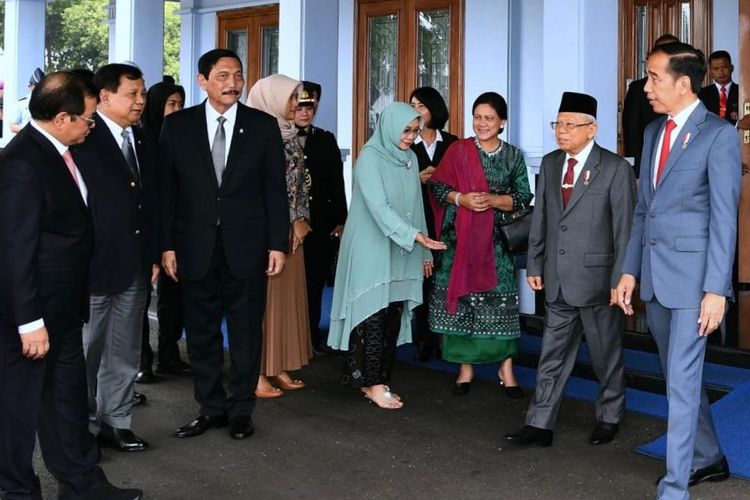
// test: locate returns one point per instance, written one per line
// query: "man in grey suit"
(579, 231)
(682, 248)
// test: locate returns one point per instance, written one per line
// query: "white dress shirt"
(679, 120)
(581, 158)
(212, 124)
(62, 149)
(432, 147)
(117, 134)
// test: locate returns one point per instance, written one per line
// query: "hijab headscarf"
(271, 95)
(384, 141)
(156, 99)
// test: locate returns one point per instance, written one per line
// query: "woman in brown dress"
(286, 329)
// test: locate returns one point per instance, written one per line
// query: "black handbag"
(514, 231)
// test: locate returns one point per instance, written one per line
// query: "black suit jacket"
(424, 162)
(251, 203)
(710, 97)
(636, 114)
(124, 212)
(47, 238)
(326, 171)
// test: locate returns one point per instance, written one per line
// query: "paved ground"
(326, 442)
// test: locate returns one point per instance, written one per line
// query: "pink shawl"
(474, 263)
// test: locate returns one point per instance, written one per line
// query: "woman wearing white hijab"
(286, 330)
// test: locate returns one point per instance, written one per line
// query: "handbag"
(514, 231)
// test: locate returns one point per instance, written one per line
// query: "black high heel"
(461, 388)
(511, 391)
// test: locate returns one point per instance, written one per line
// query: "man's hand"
(154, 273)
(275, 263)
(169, 263)
(337, 232)
(35, 345)
(535, 282)
(712, 313)
(624, 292)
(613, 296)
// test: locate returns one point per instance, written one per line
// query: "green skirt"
(473, 350)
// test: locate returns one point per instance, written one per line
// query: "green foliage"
(2, 24)
(172, 40)
(77, 34)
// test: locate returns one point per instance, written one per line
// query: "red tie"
(664, 156)
(723, 102)
(71, 165)
(567, 187)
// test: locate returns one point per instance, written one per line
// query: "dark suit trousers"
(564, 326)
(49, 397)
(169, 312)
(319, 252)
(242, 302)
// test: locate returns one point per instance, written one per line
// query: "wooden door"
(743, 240)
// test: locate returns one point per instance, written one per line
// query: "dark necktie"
(723, 102)
(567, 186)
(218, 150)
(665, 145)
(301, 132)
(129, 153)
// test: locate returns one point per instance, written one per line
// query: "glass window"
(270, 63)
(641, 40)
(685, 23)
(383, 66)
(433, 51)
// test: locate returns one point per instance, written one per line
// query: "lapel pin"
(586, 176)
(685, 140)
(242, 131)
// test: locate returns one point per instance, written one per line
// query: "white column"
(188, 52)
(346, 88)
(24, 51)
(290, 37)
(139, 36)
(111, 16)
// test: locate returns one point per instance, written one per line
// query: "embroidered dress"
(485, 326)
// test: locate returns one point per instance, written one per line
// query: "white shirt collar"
(582, 155)
(438, 138)
(114, 128)
(681, 117)
(59, 146)
(728, 86)
(211, 114)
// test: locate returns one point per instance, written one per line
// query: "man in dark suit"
(637, 113)
(682, 248)
(325, 173)
(722, 96)
(225, 226)
(46, 240)
(583, 209)
(118, 162)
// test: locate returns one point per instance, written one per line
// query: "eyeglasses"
(567, 126)
(89, 121)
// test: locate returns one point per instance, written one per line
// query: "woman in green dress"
(478, 184)
(383, 256)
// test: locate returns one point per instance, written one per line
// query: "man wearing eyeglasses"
(580, 227)
(119, 163)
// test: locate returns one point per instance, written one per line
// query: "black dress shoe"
(514, 392)
(425, 351)
(201, 424)
(241, 427)
(120, 439)
(461, 388)
(604, 433)
(145, 377)
(717, 471)
(139, 398)
(104, 492)
(529, 435)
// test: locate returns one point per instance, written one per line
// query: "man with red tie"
(583, 207)
(722, 96)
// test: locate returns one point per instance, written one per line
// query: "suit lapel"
(242, 130)
(56, 159)
(200, 139)
(586, 177)
(555, 182)
(687, 135)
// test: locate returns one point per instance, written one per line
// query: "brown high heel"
(288, 385)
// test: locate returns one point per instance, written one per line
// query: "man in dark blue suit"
(682, 248)
(46, 241)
